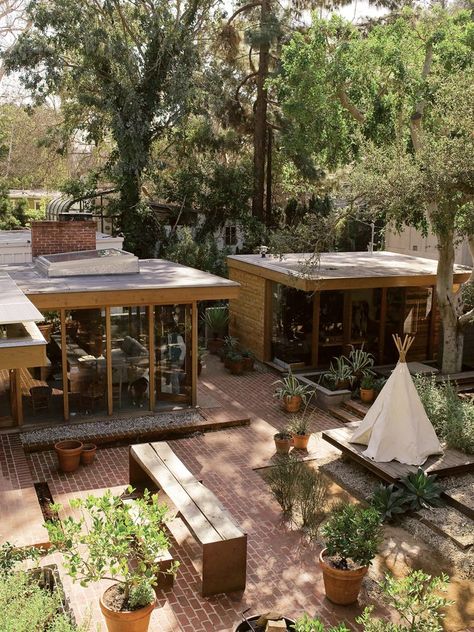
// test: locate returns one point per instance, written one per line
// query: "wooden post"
(347, 322)
(64, 365)
(18, 397)
(315, 336)
(108, 361)
(151, 349)
(194, 352)
(382, 324)
(267, 322)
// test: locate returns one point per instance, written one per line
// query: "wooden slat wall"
(426, 329)
(247, 314)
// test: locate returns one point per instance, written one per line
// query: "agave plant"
(361, 362)
(422, 491)
(389, 501)
(290, 386)
(339, 373)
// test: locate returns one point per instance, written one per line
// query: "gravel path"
(110, 428)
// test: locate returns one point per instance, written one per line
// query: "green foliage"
(389, 501)
(290, 386)
(361, 362)
(26, 606)
(352, 532)
(283, 480)
(339, 372)
(367, 382)
(204, 254)
(422, 491)
(10, 556)
(417, 600)
(311, 496)
(307, 624)
(216, 319)
(14, 213)
(123, 542)
(452, 418)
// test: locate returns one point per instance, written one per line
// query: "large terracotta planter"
(342, 587)
(214, 345)
(367, 395)
(88, 453)
(300, 442)
(292, 403)
(46, 331)
(127, 621)
(69, 454)
(236, 367)
(282, 445)
(248, 363)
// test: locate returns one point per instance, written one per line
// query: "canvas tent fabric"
(396, 426)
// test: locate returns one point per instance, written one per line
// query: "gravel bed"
(110, 428)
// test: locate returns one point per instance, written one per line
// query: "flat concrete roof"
(344, 269)
(155, 274)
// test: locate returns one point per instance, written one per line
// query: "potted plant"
(69, 454)
(361, 363)
(283, 441)
(339, 375)
(235, 362)
(230, 345)
(299, 427)
(123, 541)
(88, 453)
(249, 359)
(291, 392)
(352, 535)
(379, 383)
(367, 389)
(216, 320)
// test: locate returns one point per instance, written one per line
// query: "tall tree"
(122, 68)
(399, 101)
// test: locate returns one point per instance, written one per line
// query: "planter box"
(325, 398)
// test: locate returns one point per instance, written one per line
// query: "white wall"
(411, 242)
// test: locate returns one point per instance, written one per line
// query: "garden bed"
(325, 397)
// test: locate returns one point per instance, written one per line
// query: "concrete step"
(357, 408)
(343, 414)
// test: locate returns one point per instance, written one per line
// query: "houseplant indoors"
(291, 392)
(367, 391)
(123, 542)
(352, 535)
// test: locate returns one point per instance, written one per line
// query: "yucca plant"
(290, 386)
(339, 373)
(216, 319)
(361, 362)
(422, 491)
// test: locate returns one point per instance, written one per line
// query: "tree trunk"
(130, 185)
(449, 304)
(260, 122)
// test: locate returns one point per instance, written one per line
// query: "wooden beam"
(194, 352)
(64, 365)
(382, 324)
(108, 361)
(151, 349)
(315, 336)
(18, 397)
(347, 322)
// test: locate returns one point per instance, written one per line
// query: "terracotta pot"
(300, 442)
(69, 454)
(292, 403)
(127, 621)
(214, 345)
(88, 453)
(367, 395)
(248, 364)
(282, 445)
(46, 330)
(236, 368)
(342, 587)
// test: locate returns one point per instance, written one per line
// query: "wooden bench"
(224, 545)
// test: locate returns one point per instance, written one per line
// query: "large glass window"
(365, 320)
(331, 326)
(173, 365)
(130, 357)
(86, 361)
(292, 328)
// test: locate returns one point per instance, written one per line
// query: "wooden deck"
(451, 462)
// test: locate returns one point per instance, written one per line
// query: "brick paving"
(283, 573)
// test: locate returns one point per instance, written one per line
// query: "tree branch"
(242, 83)
(349, 106)
(246, 7)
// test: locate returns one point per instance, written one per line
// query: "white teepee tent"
(396, 427)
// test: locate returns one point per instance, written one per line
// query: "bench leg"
(137, 477)
(224, 566)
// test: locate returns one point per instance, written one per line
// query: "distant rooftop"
(342, 269)
(33, 193)
(87, 262)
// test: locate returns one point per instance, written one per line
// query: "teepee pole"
(403, 347)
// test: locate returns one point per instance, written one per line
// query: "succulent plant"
(422, 491)
(389, 501)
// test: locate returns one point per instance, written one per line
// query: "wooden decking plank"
(158, 471)
(172, 462)
(22, 521)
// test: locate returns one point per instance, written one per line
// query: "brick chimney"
(50, 237)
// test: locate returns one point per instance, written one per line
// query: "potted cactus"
(352, 536)
(291, 392)
(123, 541)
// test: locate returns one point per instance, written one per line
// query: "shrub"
(416, 598)
(307, 624)
(352, 532)
(27, 607)
(452, 418)
(283, 481)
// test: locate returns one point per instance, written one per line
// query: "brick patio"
(282, 568)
